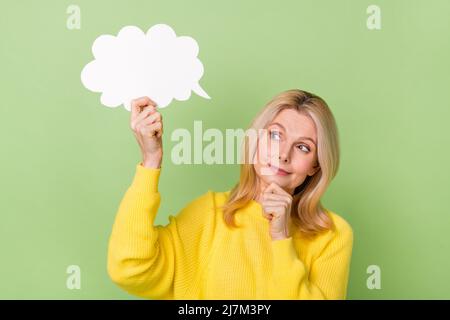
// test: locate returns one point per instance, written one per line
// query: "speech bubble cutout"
(157, 64)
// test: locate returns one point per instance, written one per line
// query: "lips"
(279, 170)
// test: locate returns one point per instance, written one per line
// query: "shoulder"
(200, 209)
(342, 229)
(340, 224)
(221, 197)
(338, 239)
(210, 199)
(201, 203)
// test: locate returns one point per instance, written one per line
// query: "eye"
(305, 148)
(274, 133)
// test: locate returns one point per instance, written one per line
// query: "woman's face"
(294, 136)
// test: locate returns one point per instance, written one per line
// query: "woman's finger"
(267, 216)
(154, 117)
(270, 188)
(273, 196)
(274, 191)
(274, 203)
(137, 104)
(144, 114)
(273, 211)
(152, 129)
(275, 188)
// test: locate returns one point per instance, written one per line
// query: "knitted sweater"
(197, 256)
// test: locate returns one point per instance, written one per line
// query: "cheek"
(267, 150)
(302, 164)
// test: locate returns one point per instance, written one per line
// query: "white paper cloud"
(132, 64)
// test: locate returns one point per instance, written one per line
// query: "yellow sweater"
(197, 256)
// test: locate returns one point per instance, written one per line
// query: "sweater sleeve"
(157, 262)
(328, 274)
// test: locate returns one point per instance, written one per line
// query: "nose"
(280, 149)
(283, 158)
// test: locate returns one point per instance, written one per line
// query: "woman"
(267, 238)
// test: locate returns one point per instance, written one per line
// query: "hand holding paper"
(147, 127)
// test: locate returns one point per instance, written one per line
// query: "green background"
(67, 160)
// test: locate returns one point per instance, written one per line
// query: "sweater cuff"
(146, 179)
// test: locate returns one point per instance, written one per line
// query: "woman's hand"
(277, 205)
(147, 127)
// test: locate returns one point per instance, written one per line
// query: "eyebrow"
(299, 138)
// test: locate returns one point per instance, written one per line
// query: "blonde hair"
(307, 214)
